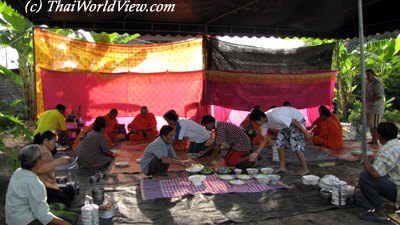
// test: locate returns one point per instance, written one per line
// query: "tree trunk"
(28, 90)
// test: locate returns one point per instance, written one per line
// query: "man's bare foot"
(303, 172)
(279, 170)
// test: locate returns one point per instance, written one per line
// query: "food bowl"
(350, 190)
(267, 170)
(263, 180)
(194, 168)
(310, 180)
(107, 210)
(238, 171)
(197, 180)
(274, 179)
(252, 171)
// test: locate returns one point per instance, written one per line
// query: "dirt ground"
(348, 171)
(344, 170)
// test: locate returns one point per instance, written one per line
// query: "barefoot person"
(382, 177)
(231, 134)
(375, 103)
(159, 154)
(291, 125)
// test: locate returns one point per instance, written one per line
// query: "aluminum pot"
(98, 195)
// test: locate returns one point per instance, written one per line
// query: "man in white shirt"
(26, 194)
(291, 125)
(196, 134)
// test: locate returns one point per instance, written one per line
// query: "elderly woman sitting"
(93, 150)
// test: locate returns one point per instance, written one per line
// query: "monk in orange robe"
(316, 127)
(113, 128)
(143, 127)
(331, 132)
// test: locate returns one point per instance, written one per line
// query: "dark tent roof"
(284, 18)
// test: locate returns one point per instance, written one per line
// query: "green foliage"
(11, 159)
(392, 116)
(355, 113)
(17, 79)
(10, 124)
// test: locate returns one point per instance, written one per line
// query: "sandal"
(371, 216)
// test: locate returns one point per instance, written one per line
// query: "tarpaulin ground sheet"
(132, 153)
(346, 151)
(212, 209)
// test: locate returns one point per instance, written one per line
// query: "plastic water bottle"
(275, 154)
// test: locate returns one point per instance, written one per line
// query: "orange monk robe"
(246, 124)
(83, 132)
(140, 123)
(318, 127)
(331, 134)
(181, 145)
(111, 130)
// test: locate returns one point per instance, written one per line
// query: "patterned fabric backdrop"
(58, 53)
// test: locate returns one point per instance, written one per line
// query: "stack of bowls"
(339, 193)
(98, 195)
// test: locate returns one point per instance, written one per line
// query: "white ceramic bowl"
(263, 180)
(267, 170)
(109, 213)
(238, 171)
(350, 190)
(274, 179)
(197, 180)
(252, 171)
(310, 180)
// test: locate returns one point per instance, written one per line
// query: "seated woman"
(159, 154)
(84, 132)
(47, 141)
(93, 150)
(330, 134)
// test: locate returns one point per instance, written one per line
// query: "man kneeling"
(159, 154)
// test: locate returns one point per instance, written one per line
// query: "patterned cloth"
(232, 135)
(387, 162)
(213, 185)
(375, 88)
(292, 138)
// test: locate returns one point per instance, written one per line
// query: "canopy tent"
(287, 18)
(99, 76)
(284, 18)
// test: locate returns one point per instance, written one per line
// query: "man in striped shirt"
(231, 134)
(381, 177)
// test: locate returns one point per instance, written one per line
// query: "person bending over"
(159, 154)
(187, 129)
(291, 125)
(234, 136)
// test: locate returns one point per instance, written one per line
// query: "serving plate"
(243, 176)
(207, 170)
(358, 152)
(193, 155)
(223, 170)
(226, 177)
(122, 164)
(194, 168)
(237, 182)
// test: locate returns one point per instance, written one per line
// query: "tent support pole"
(363, 88)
